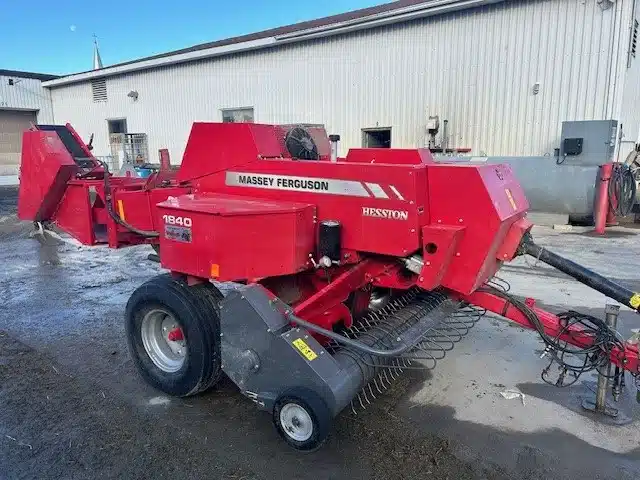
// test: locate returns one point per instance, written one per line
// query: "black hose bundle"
(585, 359)
(572, 360)
(622, 190)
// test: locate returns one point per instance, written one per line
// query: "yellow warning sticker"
(510, 197)
(304, 349)
(634, 301)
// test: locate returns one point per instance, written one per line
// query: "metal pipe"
(600, 404)
(603, 386)
(334, 139)
(601, 208)
(445, 141)
(611, 317)
(583, 275)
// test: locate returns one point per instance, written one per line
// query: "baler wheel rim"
(317, 416)
(296, 422)
(167, 355)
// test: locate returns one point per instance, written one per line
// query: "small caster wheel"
(302, 419)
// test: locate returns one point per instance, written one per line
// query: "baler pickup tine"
(411, 332)
(371, 390)
(375, 382)
(430, 356)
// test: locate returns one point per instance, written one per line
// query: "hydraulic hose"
(116, 218)
(633, 163)
(582, 274)
(622, 190)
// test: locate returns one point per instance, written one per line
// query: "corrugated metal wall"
(630, 109)
(476, 68)
(26, 94)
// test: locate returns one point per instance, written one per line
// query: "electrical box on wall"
(588, 142)
(572, 146)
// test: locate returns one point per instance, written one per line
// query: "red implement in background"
(63, 183)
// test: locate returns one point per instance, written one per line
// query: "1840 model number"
(173, 220)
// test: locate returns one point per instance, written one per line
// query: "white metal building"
(23, 100)
(504, 73)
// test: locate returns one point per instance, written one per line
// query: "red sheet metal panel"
(484, 199)
(74, 214)
(45, 169)
(213, 147)
(138, 207)
(230, 205)
(379, 206)
(220, 237)
(396, 156)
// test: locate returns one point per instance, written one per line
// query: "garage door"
(12, 124)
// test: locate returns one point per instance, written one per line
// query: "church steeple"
(97, 61)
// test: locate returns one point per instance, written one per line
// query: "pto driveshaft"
(582, 274)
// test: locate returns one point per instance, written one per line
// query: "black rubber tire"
(317, 410)
(197, 310)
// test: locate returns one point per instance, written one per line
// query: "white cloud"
(72, 28)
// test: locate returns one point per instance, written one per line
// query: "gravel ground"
(56, 424)
(74, 407)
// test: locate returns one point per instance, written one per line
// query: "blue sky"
(56, 37)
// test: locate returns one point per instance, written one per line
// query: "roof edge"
(31, 75)
(411, 12)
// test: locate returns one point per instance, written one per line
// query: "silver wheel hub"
(296, 422)
(163, 340)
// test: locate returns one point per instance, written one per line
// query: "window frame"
(237, 110)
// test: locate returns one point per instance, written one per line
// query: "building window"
(117, 125)
(99, 90)
(376, 137)
(237, 115)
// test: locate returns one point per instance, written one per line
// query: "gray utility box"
(589, 142)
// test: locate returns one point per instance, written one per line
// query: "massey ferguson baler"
(343, 272)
